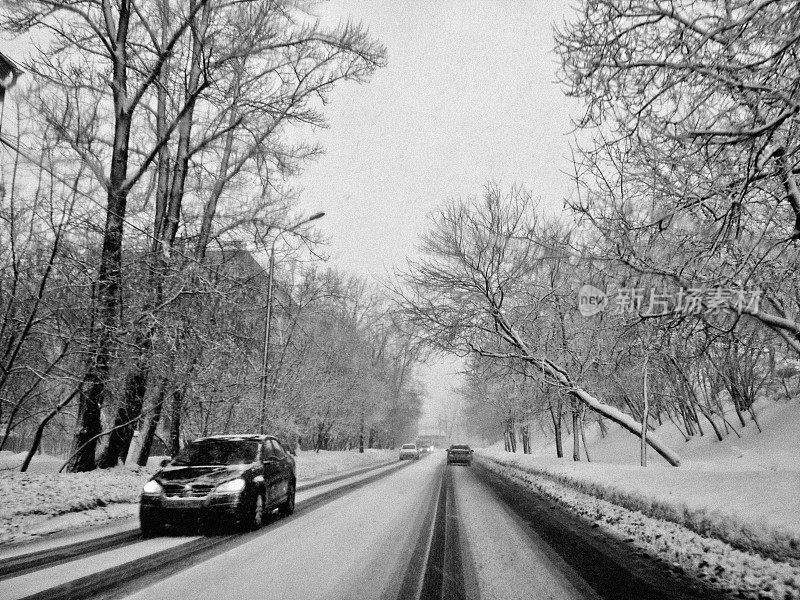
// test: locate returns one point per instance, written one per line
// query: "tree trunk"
(709, 418)
(318, 437)
(583, 433)
(148, 430)
(165, 229)
(512, 435)
(737, 404)
(557, 428)
(182, 152)
(210, 208)
(637, 414)
(155, 259)
(753, 415)
(583, 439)
(175, 422)
(576, 441)
(696, 418)
(687, 420)
(125, 422)
(88, 425)
(37, 437)
(645, 413)
(526, 441)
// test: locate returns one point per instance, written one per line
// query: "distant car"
(459, 454)
(409, 451)
(423, 449)
(233, 480)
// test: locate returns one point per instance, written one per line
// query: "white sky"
(469, 96)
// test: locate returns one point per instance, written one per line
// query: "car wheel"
(287, 508)
(150, 527)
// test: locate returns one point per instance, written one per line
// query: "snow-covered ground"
(42, 501)
(729, 514)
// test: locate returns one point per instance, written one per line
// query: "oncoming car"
(233, 480)
(459, 454)
(409, 451)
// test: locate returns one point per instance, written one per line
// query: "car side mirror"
(165, 462)
(471, 451)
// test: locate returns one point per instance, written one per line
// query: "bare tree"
(478, 289)
(41, 341)
(692, 172)
(134, 46)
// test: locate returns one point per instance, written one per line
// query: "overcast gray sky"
(469, 96)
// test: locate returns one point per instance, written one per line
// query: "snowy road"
(357, 546)
(425, 530)
(508, 560)
(363, 546)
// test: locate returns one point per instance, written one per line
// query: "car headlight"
(234, 486)
(152, 488)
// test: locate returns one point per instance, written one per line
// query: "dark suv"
(459, 454)
(223, 479)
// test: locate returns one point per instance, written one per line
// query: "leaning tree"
(481, 288)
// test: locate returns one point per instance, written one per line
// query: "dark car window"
(459, 447)
(272, 450)
(279, 451)
(217, 452)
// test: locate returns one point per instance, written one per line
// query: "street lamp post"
(268, 323)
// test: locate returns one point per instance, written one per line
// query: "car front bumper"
(165, 510)
(461, 460)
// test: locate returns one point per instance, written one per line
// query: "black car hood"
(208, 475)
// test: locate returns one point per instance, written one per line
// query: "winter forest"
(151, 155)
(159, 281)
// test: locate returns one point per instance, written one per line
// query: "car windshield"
(409, 447)
(217, 452)
(459, 447)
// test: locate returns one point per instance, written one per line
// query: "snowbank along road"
(417, 530)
